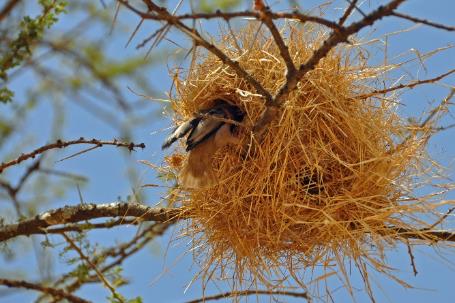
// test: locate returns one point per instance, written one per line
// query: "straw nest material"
(331, 176)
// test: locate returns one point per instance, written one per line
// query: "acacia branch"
(81, 227)
(347, 12)
(164, 15)
(14, 190)
(296, 15)
(282, 47)
(412, 258)
(119, 252)
(243, 293)
(409, 85)
(333, 40)
(99, 274)
(73, 214)
(49, 220)
(339, 34)
(8, 8)
(423, 21)
(61, 144)
(54, 292)
(423, 234)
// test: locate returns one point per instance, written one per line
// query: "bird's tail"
(197, 176)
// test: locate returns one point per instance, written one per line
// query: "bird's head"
(232, 111)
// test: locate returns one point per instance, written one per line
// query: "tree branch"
(334, 39)
(61, 144)
(78, 213)
(296, 15)
(54, 292)
(423, 21)
(339, 34)
(119, 252)
(347, 12)
(40, 224)
(7, 8)
(164, 15)
(409, 85)
(423, 234)
(81, 227)
(282, 47)
(243, 293)
(99, 274)
(13, 191)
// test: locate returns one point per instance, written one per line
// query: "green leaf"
(31, 30)
(6, 95)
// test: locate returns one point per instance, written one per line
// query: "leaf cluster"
(30, 31)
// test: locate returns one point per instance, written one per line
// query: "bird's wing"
(206, 127)
(180, 131)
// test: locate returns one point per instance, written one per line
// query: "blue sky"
(162, 271)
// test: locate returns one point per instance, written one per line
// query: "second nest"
(328, 174)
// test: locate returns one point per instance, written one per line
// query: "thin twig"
(409, 85)
(347, 12)
(358, 9)
(29, 171)
(55, 172)
(423, 21)
(54, 292)
(119, 252)
(79, 153)
(242, 293)
(443, 128)
(61, 144)
(100, 275)
(438, 109)
(440, 220)
(424, 125)
(152, 36)
(138, 26)
(13, 191)
(411, 257)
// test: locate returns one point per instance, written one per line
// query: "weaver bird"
(209, 130)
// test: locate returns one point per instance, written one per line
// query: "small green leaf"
(135, 300)
(6, 95)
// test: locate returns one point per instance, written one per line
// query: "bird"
(208, 131)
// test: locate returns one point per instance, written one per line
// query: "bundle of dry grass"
(330, 178)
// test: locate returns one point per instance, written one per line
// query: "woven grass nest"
(329, 178)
